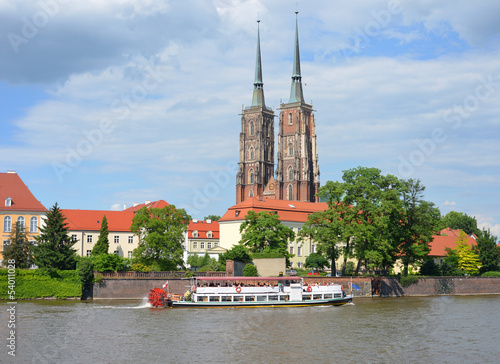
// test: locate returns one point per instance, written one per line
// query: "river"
(441, 329)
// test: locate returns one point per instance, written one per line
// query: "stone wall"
(118, 288)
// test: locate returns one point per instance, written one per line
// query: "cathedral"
(296, 177)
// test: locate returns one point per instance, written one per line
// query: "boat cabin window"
(214, 298)
(273, 297)
(261, 298)
(249, 298)
(238, 299)
(226, 298)
(328, 295)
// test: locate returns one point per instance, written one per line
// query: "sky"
(106, 103)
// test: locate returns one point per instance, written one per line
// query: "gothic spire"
(258, 91)
(296, 89)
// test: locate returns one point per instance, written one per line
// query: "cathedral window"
(250, 194)
(290, 173)
(290, 119)
(290, 149)
(290, 192)
(252, 154)
(252, 177)
(252, 128)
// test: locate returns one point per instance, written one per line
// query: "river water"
(443, 329)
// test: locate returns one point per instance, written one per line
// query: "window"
(117, 239)
(237, 213)
(251, 177)
(34, 224)
(290, 149)
(7, 224)
(252, 154)
(73, 238)
(6, 243)
(202, 245)
(250, 194)
(130, 239)
(290, 192)
(195, 245)
(299, 251)
(89, 238)
(299, 264)
(195, 233)
(8, 202)
(290, 119)
(130, 255)
(89, 252)
(209, 234)
(290, 173)
(252, 128)
(291, 249)
(20, 220)
(313, 248)
(116, 252)
(209, 245)
(216, 244)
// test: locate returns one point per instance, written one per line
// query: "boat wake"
(143, 304)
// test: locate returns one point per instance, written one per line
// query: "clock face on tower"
(271, 186)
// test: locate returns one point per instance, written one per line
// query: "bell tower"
(297, 170)
(256, 166)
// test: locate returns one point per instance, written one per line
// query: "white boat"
(246, 292)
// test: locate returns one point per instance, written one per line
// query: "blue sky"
(108, 103)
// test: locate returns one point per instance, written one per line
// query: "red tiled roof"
(203, 227)
(293, 211)
(92, 219)
(12, 186)
(447, 238)
(155, 204)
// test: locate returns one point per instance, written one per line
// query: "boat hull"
(272, 304)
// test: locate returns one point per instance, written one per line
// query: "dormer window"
(8, 202)
(195, 233)
(209, 234)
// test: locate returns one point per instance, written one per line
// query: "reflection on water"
(390, 330)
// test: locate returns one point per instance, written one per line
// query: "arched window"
(7, 224)
(252, 177)
(290, 192)
(252, 154)
(290, 173)
(20, 220)
(290, 149)
(195, 233)
(34, 224)
(209, 234)
(290, 119)
(250, 194)
(252, 128)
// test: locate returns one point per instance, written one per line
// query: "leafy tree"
(161, 234)
(450, 264)
(109, 262)
(85, 269)
(316, 260)
(468, 261)
(196, 261)
(237, 253)
(212, 217)
(414, 224)
(102, 245)
(263, 232)
(488, 251)
(19, 248)
(250, 270)
(461, 221)
(54, 247)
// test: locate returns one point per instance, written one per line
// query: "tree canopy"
(54, 247)
(212, 217)
(102, 245)
(488, 251)
(316, 260)
(460, 220)
(18, 249)
(161, 234)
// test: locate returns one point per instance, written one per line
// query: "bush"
(109, 262)
(250, 270)
(85, 269)
(406, 281)
(270, 255)
(491, 274)
(139, 267)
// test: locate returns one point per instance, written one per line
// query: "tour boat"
(246, 292)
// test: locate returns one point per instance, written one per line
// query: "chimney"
(135, 204)
(147, 202)
(124, 206)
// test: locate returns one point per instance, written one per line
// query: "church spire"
(258, 91)
(296, 89)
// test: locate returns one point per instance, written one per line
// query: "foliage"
(461, 221)
(161, 235)
(316, 260)
(85, 269)
(406, 281)
(139, 267)
(238, 253)
(196, 261)
(348, 270)
(450, 264)
(266, 255)
(39, 283)
(488, 251)
(491, 274)
(413, 224)
(19, 248)
(102, 245)
(212, 217)
(54, 247)
(263, 232)
(430, 268)
(109, 262)
(250, 270)
(468, 261)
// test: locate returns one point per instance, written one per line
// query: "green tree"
(237, 253)
(461, 221)
(250, 270)
(161, 234)
(263, 232)
(19, 248)
(54, 247)
(85, 269)
(212, 217)
(414, 224)
(197, 261)
(102, 245)
(468, 261)
(488, 251)
(108, 262)
(316, 260)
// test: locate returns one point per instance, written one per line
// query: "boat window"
(261, 298)
(249, 299)
(328, 295)
(337, 295)
(306, 297)
(284, 298)
(214, 298)
(237, 298)
(226, 298)
(273, 297)
(317, 297)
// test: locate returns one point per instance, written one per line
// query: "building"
(297, 172)
(447, 238)
(18, 204)
(203, 238)
(292, 214)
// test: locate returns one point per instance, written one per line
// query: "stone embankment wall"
(430, 286)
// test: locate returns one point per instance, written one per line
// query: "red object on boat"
(157, 297)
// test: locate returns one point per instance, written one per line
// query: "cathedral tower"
(297, 170)
(256, 166)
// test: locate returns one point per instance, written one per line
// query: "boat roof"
(247, 278)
